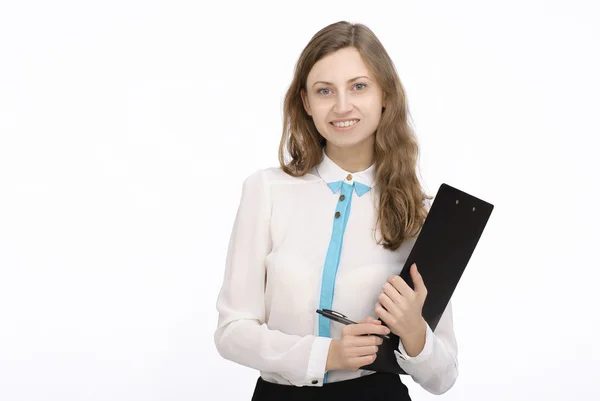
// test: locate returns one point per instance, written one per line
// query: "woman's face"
(344, 99)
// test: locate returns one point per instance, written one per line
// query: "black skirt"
(373, 387)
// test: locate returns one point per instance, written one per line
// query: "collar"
(335, 176)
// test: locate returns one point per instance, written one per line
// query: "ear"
(304, 97)
(384, 101)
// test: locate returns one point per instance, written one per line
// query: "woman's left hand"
(400, 307)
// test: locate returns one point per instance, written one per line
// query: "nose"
(342, 104)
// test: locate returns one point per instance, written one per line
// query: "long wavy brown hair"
(401, 209)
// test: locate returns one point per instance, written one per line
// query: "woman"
(331, 228)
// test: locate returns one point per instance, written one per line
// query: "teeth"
(345, 123)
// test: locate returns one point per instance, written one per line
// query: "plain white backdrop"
(127, 128)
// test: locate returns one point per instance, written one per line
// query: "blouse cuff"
(423, 355)
(317, 361)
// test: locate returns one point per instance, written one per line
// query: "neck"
(352, 159)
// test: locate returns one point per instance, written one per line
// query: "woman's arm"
(242, 334)
(435, 368)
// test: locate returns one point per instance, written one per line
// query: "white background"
(127, 127)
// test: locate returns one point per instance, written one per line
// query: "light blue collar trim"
(335, 186)
(361, 189)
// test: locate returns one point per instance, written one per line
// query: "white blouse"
(303, 243)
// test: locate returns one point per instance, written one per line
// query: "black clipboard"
(442, 250)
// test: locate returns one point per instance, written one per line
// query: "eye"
(320, 91)
(360, 86)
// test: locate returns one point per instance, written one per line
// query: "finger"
(401, 286)
(383, 314)
(365, 328)
(363, 340)
(369, 319)
(417, 279)
(393, 294)
(390, 305)
(365, 360)
(363, 350)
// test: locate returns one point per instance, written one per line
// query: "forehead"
(339, 66)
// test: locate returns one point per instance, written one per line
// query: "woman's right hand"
(356, 348)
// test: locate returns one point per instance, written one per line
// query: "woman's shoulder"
(268, 176)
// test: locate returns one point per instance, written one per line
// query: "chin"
(345, 144)
(347, 141)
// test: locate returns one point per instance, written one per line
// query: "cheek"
(320, 111)
(373, 114)
(320, 116)
(372, 107)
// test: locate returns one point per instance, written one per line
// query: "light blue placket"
(332, 260)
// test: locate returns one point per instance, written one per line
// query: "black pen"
(338, 317)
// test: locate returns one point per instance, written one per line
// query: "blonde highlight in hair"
(401, 206)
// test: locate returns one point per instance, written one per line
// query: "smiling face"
(344, 100)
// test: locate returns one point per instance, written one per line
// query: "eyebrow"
(350, 80)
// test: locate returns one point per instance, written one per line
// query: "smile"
(344, 124)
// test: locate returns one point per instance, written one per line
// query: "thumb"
(417, 279)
